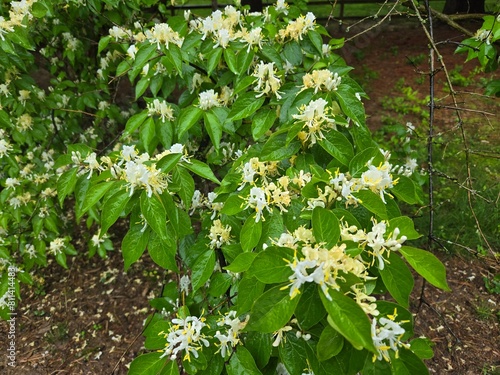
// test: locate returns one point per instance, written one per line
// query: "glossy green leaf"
(245, 106)
(271, 267)
(155, 214)
(112, 208)
(133, 244)
(330, 343)
(276, 150)
(241, 363)
(163, 252)
(310, 310)
(405, 226)
(337, 145)
(272, 310)
(427, 265)
(250, 233)
(397, 279)
(134, 122)
(292, 351)
(262, 122)
(201, 169)
(203, 269)
(372, 202)
(66, 184)
(241, 263)
(150, 364)
(94, 193)
(325, 226)
(214, 128)
(406, 190)
(187, 118)
(349, 319)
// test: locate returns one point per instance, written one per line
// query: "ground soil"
(88, 319)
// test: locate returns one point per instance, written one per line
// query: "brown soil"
(88, 319)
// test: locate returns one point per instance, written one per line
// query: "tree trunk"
(463, 6)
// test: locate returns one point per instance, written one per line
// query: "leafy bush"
(235, 146)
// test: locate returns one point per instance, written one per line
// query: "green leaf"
(241, 363)
(155, 214)
(168, 162)
(147, 135)
(66, 184)
(133, 244)
(134, 122)
(201, 169)
(213, 58)
(142, 86)
(271, 267)
(330, 343)
(219, 284)
(316, 40)
(292, 351)
(187, 118)
(293, 53)
(276, 149)
(272, 310)
(350, 104)
(325, 226)
(262, 122)
(144, 54)
(337, 145)
(244, 60)
(250, 233)
(241, 263)
(406, 190)
(231, 60)
(406, 227)
(175, 57)
(203, 269)
(397, 279)
(246, 105)
(372, 202)
(260, 346)
(310, 310)
(163, 252)
(359, 162)
(422, 347)
(249, 289)
(185, 183)
(93, 195)
(427, 265)
(112, 208)
(349, 319)
(150, 364)
(214, 128)
(412, 364)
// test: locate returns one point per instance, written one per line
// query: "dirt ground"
(88, 319)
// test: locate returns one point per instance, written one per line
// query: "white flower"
(56, 246)
(161, 108)
(209, 99)
(10, 183)
(387, 337)
(267, 81)
(185, 336)
(257, 200)
(131, 51)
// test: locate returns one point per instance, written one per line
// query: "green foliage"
(236, 149)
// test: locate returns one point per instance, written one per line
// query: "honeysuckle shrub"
(235, 146)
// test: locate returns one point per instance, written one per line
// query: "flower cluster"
(321, 80)
(296, 29)
(230, 338)
(219, 234)
(18, 10)
(267, 81)
(377, 239)
(269, 193)
(319, 264)
(316, 120)
(162, 109)
(184, 336)
(387, 335)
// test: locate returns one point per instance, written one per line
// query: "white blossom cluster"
(377, 239)
(386, 334)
